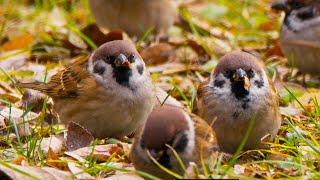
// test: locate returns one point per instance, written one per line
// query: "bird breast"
(107, 112)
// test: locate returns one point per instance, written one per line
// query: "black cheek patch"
(259, 83)
(164, 160)
(306, 14)
(180, 142)
(99, 69)
(219, 84)
(140, 69)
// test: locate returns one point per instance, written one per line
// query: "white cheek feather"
(297, 24)
(224, 101)
(191, 136)
(107, 80)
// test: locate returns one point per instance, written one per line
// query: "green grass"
(295, 152)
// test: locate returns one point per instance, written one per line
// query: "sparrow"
(109, 93)
(135, 17)
(171, 126)
(238, 92)
(300, 33)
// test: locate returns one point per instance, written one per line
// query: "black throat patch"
(237, 88)
(122, 75)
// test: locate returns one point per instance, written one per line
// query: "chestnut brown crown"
(238, 59)
(114, 48)
(290, 5)
(163, 126)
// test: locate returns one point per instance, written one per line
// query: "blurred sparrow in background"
(300, 33)
(238, 92)
(135, 17)
(110, 93)
(190, 136)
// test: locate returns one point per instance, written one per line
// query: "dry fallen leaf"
(12, 171)
(13, 116)
(100, 153)
(19, 42)
(53, 143)
(78, 171)
(124, 177)
(77, 137)
(158, 53)
(34, 99)
(53, 160)
(98, 37)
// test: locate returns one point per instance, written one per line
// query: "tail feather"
(35, 86)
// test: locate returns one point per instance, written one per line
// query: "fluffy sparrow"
(300, 33)
(110, 93)
(134, 16)
(237, 92)
(187, 134)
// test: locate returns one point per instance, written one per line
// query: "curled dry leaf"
(53, 160)
(13, 116)
(19, 42)
(100, 153)
(77, 137)
(53, 143)
(158, 53)
(78, 171)
(15, 172)
(34, 99)
(98, 37)
(171, 68)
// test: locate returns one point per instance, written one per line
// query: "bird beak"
(241, 75)
(279, 6)
(122, 61)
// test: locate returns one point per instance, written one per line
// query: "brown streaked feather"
(205, 136)
(199, 94)
(66, 82)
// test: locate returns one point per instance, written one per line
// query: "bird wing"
(205, 136)
(198, 99)
(66, 83)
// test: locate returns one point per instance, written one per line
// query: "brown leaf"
(157, 53)
(98, 37)
(34, 99)
(53, 160)
(19, 160)
(100, 153)
(14, 116)
(19, 42)
(77, 137)
(9, 172)
(275, 50)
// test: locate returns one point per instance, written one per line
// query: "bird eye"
(132, 58)
(296, 5)
(228, 73)
(109, 59)
(250, 73)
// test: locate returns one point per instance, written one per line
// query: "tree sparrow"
(187, 134)
(300, 33)
(135, 17)
(237, 92)
(110, 93)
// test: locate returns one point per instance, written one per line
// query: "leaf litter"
(34, 46)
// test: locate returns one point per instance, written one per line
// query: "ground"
(39, 37)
